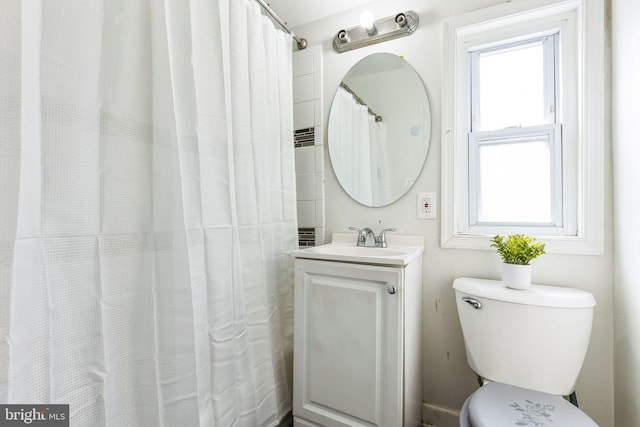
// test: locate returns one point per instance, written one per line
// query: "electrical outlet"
(426, 205)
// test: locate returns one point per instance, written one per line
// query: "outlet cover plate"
(426, 205)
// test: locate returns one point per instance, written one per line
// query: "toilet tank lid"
(538, 295)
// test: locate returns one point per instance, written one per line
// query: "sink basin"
(360, 251)
(349, 252)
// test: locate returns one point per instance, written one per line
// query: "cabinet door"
(348, 344)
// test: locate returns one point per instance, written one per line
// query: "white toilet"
(528, 346)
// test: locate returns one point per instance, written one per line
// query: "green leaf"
(517, 248)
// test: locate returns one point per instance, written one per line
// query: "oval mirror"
(379, 129)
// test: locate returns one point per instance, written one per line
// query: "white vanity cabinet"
(357, 344)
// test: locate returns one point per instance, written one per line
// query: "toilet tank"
(535, 338)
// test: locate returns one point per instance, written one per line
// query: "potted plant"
(517, 251)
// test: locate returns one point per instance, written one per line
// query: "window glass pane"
(511, 87)
(514, 182)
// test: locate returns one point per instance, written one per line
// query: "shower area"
(147, 206)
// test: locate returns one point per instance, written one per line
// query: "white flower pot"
(516, 276)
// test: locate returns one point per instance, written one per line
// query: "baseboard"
(434, 415)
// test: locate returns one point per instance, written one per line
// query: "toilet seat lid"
(497, 405)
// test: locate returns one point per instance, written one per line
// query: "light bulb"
(366, 20)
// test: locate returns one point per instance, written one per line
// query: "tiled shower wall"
(309, 137)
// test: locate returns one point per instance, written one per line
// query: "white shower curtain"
(350, 126)
(380, 166)
(359, 157)
(147, 202)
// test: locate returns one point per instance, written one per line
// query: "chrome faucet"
(363, 237)
(381, 241)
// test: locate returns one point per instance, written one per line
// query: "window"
(515, 138)
(523, 123)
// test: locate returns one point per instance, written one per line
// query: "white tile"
(319, 158)
(318, 135)
(303, 65)
(306, 52)
(319, 186)
(303, 115)
(303, 88)
(317, 119)
(317, 58)
(310, 51)
(306, 186)
(320, 239)
(319, 213)
(305, 159)
(306, 214)
(317, 84)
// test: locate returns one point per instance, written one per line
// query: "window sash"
(550, 133)
(550, 45)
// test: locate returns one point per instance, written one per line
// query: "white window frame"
(469, 222)
(581, 113)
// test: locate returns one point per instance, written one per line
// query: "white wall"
(626, 157)
(447, 378)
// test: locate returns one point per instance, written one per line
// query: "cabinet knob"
(392, 289)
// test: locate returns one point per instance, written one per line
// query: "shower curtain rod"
(360, 101)
(302, 43)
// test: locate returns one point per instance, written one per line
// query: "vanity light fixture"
(375, 31)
